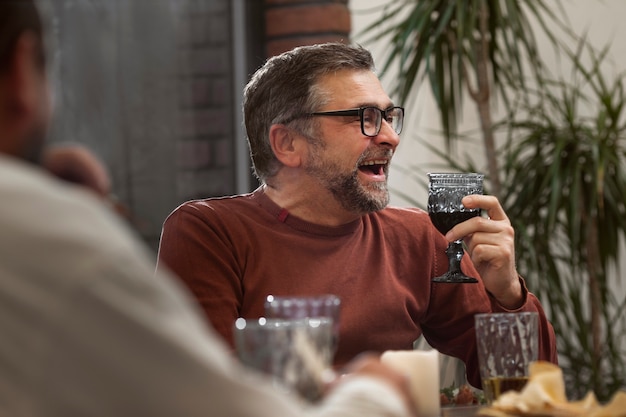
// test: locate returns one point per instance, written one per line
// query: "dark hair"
(286, 86)
(17, 17)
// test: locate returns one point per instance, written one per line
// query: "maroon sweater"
(232, 252)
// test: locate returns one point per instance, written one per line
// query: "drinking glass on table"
(445, 192)
(296, 354)
(302, 307)
(507, 343)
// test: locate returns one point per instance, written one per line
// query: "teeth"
(378, 162)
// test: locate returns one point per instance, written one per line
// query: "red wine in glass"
(445, 192)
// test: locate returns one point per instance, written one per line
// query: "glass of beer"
(507, 343)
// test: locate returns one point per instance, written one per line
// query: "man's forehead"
(357, 88)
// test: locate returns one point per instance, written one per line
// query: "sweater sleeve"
(449, 324)
(361, 396)
(199, 250)
(547, 338)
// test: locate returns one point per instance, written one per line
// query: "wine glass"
(445, 192)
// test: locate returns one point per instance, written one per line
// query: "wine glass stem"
(455, 254)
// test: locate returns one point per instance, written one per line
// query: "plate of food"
(544, 396)
(461, 396)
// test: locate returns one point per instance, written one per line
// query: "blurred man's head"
(24, 99)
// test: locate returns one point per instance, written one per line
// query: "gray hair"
(285, 87)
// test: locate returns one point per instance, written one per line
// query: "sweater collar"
(281, 215)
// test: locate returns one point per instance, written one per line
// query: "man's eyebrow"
(371, 104)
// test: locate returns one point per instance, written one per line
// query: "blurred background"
(153, 87)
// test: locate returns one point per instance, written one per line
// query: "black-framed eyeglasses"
(371, 118)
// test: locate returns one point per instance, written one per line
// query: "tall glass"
(305, 307)
(296, 354)
(445, 192)
(507, 344)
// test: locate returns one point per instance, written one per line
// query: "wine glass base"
(455, 279)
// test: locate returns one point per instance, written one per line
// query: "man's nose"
(387, 135)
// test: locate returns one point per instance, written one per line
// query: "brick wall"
(205, 150)
(291, 23)
(155, 98)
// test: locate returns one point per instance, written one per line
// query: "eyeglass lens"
(372, 118)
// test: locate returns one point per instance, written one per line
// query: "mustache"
(375, 154)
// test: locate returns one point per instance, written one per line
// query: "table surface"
(464, 411)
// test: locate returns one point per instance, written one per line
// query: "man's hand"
(76, 164)
(370, 365)
(490, 245)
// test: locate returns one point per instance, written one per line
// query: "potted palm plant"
(565, 193)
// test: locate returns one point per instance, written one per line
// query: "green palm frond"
(444, 42)
(565, 181)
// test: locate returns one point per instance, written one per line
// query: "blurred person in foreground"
(86, 328)
(322, 132)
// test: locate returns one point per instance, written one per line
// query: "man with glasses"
(322, 132)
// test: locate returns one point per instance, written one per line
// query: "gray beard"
(357, 198)
(349, 192)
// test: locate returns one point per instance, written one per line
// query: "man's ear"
(286, 144)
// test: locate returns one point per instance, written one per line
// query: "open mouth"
(374, 167)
